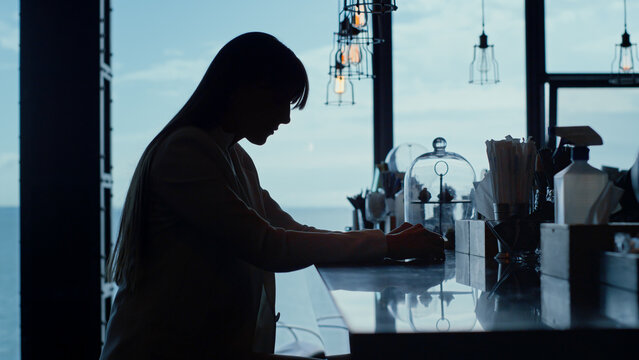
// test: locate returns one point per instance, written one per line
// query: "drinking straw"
(512, 165)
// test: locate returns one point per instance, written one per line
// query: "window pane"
(581, 35)
(613, 113)
(322, 156)
(433, 48)
(10, 282)
(9, 185)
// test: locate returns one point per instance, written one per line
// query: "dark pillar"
(382, 87)
(64, 176)
(535, 70)
(552, 116)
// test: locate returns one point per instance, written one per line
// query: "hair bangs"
(297, 85)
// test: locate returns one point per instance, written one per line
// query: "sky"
(162, 48)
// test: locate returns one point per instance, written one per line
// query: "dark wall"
(60, 179)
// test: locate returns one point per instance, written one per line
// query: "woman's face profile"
(256, 113)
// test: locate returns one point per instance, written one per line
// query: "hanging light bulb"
(626, 61)
(354, 54)
(339, 87)
(340, 84)
(484, 68)
(624, 66)
(359, 18)
(370, 6)
(342, 55)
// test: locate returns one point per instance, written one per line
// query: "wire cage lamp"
(370, 6)
(356, 42)
(623, 62)
(342, 70)
(484, 68)
(359, 55)
(350, 57)
(339, 90)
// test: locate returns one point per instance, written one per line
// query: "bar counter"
(470, 306)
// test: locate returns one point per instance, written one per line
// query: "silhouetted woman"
(200, 239)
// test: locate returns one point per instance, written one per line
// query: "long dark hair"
(248, 59)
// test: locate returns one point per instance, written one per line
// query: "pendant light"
(356, 53)
(623, 63)
(484, 69)
(370, 6)
(339, 90)
(352, 51)
(359, 18)
(349, 59)
(356, 44)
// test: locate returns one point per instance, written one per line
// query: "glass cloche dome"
(400, 158)
(438, 189)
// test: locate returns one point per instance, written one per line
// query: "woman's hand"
(414, 241)
(400, 228)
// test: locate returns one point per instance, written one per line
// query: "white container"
(577, 187)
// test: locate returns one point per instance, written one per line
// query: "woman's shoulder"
(191, 132)
(185, 148)
(244, 157)
(241, 153)
(187, 137)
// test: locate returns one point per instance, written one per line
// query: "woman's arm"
(189, 174)
(280, 218)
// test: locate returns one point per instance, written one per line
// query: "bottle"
(577, 187)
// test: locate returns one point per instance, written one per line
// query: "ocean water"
(9, 283)
(323, 218)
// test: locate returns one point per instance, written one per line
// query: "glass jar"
(438, 189)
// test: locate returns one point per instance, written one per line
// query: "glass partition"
(322, 156)
(613, 113)
(432, 50)
(581, 35)
(9, 193)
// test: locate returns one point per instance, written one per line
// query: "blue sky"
(9, 103)
(325, 154)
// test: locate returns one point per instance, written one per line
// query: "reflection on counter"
(620, 305)
(404, 298)
(513, 301)
(568, 305)
(468, 293)
(440, 308)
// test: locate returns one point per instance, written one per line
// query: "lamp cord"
(482, 15)
(625, 28)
